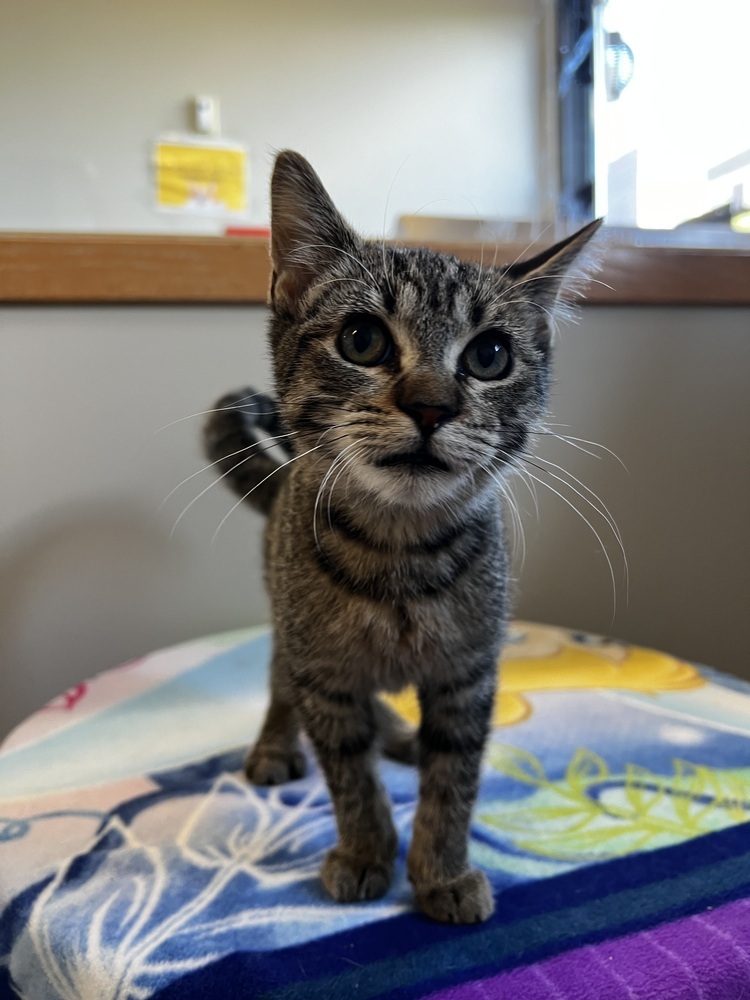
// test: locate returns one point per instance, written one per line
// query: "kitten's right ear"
(307, 231)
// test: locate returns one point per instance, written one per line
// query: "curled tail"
(238, 437)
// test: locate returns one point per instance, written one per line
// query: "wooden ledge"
(119, 269)
(127, 269)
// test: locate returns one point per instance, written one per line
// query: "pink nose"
(429, 416)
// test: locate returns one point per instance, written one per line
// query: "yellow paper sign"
(203, 178)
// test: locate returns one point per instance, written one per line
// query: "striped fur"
(385, 554)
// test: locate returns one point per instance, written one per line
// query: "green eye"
(365, 341)
(488, 356)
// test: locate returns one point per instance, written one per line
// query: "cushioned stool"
(613, 823)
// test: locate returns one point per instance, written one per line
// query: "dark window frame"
(575, 75)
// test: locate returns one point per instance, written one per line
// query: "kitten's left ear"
(308, 234)
(554, 277)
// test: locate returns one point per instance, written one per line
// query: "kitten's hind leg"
(397, 739)
(276, 756)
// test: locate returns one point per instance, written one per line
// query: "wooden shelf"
(119, 269)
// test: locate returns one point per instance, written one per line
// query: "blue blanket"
(613, 822)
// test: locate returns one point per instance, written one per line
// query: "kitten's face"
(415, 376)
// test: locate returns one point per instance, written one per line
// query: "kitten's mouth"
(413, 460)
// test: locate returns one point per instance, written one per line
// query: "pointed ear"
(554, 277)
(307, 231)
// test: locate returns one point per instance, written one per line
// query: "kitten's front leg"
(455, 722)
(343, 731)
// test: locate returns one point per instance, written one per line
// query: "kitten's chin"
(420, 484)
(414, 463)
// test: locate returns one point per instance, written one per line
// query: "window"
(654, 115)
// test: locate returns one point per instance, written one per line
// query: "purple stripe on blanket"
(704, 957)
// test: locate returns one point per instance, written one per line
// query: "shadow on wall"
(76, 583)
(667, 392)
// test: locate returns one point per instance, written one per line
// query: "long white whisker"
(242, 461)
(213, 482)
(487, 272)
(518, 528)
(338, 458)
(481, 272)
(564, 440)
(569, 438)
(255, 444)
(529, 486)
(385, 223)
(527, 302)
(544, 277)
(519, 534)
(257, 485)
(345, 465)
(330, 246)
(596, 534)
(318, 496)
(526, 249)
(604, 511)
(203, 413)
(332, 281)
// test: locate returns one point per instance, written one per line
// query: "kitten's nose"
(429, 416)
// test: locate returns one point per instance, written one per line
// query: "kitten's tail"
(238, 436)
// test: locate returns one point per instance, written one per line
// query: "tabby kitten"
(408, 383)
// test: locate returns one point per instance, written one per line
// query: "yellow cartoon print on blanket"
(540, 658)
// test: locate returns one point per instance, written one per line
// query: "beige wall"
(89, 576)
(407, 102)
(436, 97)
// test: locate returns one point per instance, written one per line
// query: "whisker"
(518, 528)
(319, 495)
(519, 534)
(257, 485)
(569, 439)
(330, 246)
(526, 302)
(480, 273)
(487, 272)
(391, 278)
(332, 281)
(604, 509)
(523, 253)
(529, 486)
(350, 461)
(543, 277)
(596, 534)
(206, 489)
(231, 454)
(242, 461)
(564, 440)
(507, 267)
(203, 413)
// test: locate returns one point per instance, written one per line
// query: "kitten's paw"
(463, 900)
(265, 766)
(348, 879)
